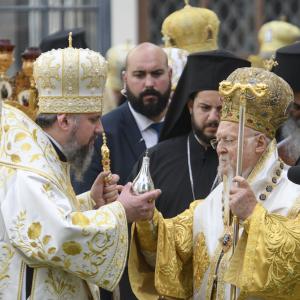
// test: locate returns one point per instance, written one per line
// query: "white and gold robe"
(186, 249)
(72, 248)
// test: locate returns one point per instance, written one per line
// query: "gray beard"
(225, 168)
(79, 157)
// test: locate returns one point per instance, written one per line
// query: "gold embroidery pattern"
(32, 244)
(21, 132)
(70, 104)
(44, 73)
(6, 255)
(70, 74)
(42, 161)
(72, 248)
(282, 241)
(5, 175)
(200, 260)
(80, 219)
(221, 273)
(59, 285)
(212, 271)
(175, 257)
(272, 105)
(218, 267)
(95, 72)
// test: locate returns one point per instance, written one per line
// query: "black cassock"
(169, 168)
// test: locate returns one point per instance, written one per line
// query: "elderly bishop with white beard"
(190, 256)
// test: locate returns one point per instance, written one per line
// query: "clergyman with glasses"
(191, 255)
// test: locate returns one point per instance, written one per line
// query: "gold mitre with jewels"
(191, 28)
(266, 96)
(70, 80)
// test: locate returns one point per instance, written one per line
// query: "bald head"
(144, 50)
(147, 79)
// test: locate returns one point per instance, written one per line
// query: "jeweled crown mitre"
(70, 80)
(266, 95)
(191, 28)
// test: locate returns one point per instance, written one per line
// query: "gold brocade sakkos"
(183, 258)
(164, 264)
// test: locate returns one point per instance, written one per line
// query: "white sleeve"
(43, 228)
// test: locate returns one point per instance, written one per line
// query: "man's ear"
(124, 76)
(190, 105)
(170, 72)
(261, 144)
(64, 122)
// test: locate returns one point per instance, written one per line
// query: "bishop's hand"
(242, 200)
(104, 192)
(138, 207)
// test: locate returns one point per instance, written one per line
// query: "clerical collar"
(58, 148)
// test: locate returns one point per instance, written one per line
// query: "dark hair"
(193, 95)
(46, 120)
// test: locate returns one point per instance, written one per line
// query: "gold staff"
(105, 153)
(227, 89)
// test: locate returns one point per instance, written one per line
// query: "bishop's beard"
(79, 156)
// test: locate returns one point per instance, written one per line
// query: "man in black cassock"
(183, 164)
(288, 135)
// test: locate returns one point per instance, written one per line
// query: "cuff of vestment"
(258, 209)
(147, 232)
(86, 201)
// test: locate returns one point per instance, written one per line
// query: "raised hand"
(103, 192)
(138, 207)
(242, 200)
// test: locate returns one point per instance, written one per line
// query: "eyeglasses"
(228, 141)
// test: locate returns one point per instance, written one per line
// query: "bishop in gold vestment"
(185, 258)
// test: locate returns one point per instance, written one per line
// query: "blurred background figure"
(6, 60)
(24, 94)
(116, 58)
(22, 80)
(191, 28)
(272, 36)
(59, 39)
(288, 59)
(177, 59)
